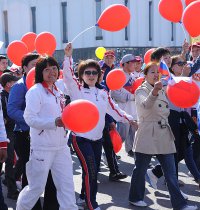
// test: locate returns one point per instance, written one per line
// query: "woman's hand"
(68, 49)
(186, 70)
(134, 124)
(157, 87)
(59, 122)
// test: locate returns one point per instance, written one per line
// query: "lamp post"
(118, 57)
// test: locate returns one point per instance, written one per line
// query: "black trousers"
(110, 154)
(23, 145)
(9, 164)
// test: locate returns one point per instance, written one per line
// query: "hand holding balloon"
(68, 49)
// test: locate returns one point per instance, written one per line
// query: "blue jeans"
(3, 206)
(189, 160)
(137, 188)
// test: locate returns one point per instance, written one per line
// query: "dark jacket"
(9, 123)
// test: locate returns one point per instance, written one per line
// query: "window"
(172, 31)
(5, 17)
(33, 15)
(98, 13)
(126, 29)
(64, 22)
(150, 20)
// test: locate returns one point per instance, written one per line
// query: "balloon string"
(183, 30)
(81, 33)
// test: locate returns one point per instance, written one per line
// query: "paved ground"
(114, 195)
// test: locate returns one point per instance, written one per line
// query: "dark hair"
(148, 66)
(158, 53)
(174, 60)
(84, 65)
(2, 57)
(41, 64)
(29, 57)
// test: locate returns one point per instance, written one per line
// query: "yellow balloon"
(99, 52)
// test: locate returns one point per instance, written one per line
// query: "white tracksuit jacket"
(42, 108)
(99, 97)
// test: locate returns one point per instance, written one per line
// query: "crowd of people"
(36, 147)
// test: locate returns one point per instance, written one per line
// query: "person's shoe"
(184, 195)
(131, 153)
(139, 203)
(13, 196)
(187, 207)
(152, 179)
(117, 176)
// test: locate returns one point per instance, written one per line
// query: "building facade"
(66, 18)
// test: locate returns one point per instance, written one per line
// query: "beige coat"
(152, 111)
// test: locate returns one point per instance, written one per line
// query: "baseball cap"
(195, 44)
(109, 53)
(128, 57)
(7, 77)
(138, 59)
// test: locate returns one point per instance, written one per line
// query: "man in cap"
(110, 158)
(7, 80)
(108, 65)
(126, 101)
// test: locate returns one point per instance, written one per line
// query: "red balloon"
(137, 83)
(115, 79)
(114, 18)
(30, 78)
(45, 43)
(171, 10)
(80, 116)
(61, 74)
(183, 94)
(116, 140)
(191, 17)
(29, 40)
(16, 51)
(147, 55)
(187, 2)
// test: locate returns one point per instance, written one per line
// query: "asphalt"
(114, 195)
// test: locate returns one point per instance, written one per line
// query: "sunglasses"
(94, 73)
(181, 63)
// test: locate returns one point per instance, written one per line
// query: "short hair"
(2, 57)
(84, 65)
(158, 53)
(148, 66)
(41, 64)
(27, 58)
(174, 60)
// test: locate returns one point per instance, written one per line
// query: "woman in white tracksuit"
(88, 145)
(49, 150)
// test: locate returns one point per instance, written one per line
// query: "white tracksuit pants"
(37, 169)
(127, 133)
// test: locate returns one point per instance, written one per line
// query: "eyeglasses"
(180, 63)
(87, 72)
